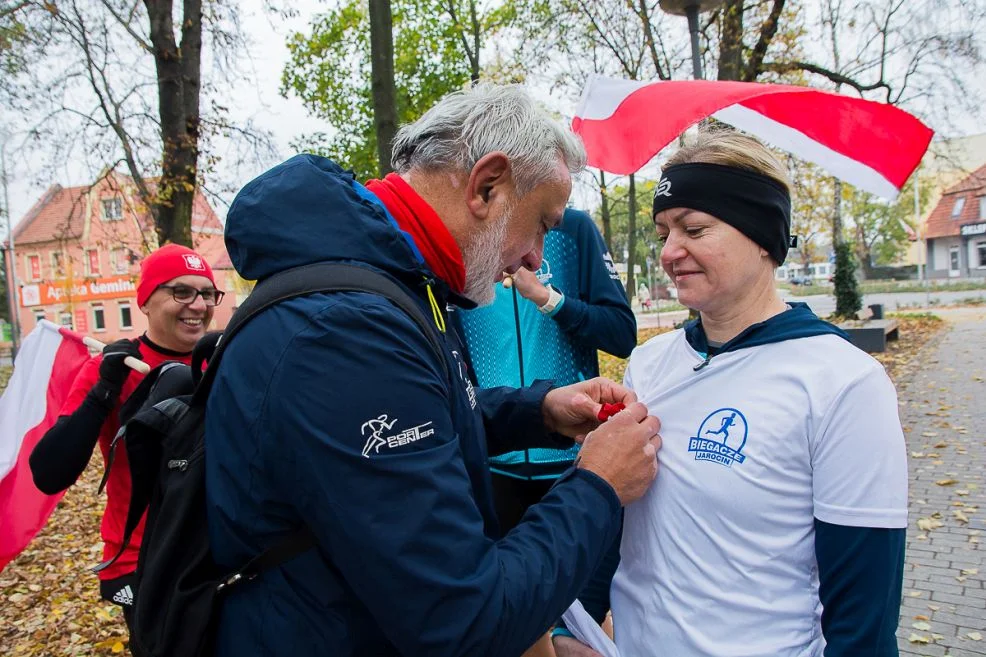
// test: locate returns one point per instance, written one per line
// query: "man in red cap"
(178, 294)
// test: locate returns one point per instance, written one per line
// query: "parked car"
(801, 280)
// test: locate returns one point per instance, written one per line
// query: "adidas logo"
(124, 596)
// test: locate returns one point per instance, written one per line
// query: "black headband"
(756, 205)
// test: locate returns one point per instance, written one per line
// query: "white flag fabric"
(46, 365)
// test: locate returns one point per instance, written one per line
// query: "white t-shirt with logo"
(718, 558)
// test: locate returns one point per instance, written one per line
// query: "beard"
(483, 260)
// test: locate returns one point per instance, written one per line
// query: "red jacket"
(118, 484)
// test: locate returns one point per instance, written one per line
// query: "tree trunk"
(604, 212)
(731, 41)
(384, 91)
(631, 238)
(178, 75)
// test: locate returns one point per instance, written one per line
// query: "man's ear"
(488, 180)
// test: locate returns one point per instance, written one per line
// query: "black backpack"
(178, 585)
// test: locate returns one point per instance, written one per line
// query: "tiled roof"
(58, 214)
(941, 223)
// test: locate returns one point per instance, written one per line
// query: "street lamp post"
(691, 9)
(10, 257)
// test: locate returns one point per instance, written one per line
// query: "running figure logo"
(723, 429)
(714, 435)
(376, 426)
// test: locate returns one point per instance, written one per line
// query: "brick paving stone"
(943, 410)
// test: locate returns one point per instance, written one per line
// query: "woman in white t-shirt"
(777, 524)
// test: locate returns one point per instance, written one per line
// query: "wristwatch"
(554, 299)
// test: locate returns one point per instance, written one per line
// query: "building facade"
(955, 230)
(78, 253)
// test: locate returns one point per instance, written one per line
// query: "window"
(92, 262)
(65, 319)
(57, 264)
(33, 268)
(98, 318)
(981, 251)
(120, 261)
(38, 316)
(982, 207)
(957, 208)
(112, 209)
(126, 321)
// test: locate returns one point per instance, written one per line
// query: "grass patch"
(883, 287)
(5, 373)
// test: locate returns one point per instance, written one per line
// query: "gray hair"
(467, 125)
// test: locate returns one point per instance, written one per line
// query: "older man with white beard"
(334, 412)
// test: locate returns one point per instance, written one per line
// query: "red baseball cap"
(167, 263)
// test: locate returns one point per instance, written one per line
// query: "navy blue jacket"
(333, 411)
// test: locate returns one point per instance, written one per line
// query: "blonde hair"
(732, 149)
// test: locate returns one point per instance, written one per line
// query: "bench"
(873, 335)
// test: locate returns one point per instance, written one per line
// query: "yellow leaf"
(917, 638)
(961, 517)
(921, 617)
(917, 455)
(929, 434)
(970, 571)
(947, 482)
(915, 594)
(975, 636)
(962, 492)
(941, 445)
(117, 647)
(921, 625)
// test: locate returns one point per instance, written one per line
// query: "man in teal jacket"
(550, 324)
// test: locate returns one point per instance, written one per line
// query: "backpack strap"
(287, 548)
(317, 278)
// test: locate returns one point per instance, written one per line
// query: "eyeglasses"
(186, 294)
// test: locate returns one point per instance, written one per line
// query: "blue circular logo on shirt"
(720, 438)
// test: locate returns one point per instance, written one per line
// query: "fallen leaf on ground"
(917, 638)
(975, 636)
(947, 482)
(921, 625)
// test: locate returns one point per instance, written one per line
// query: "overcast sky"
(259, 101)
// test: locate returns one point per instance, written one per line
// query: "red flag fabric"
(872, 146)
(44, 370)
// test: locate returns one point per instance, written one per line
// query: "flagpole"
(131, 362)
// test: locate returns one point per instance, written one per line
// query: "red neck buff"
(421, 222)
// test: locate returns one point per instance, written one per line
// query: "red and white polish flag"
(870, 145)
(46, 365)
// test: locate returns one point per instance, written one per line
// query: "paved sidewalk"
(943, 410)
